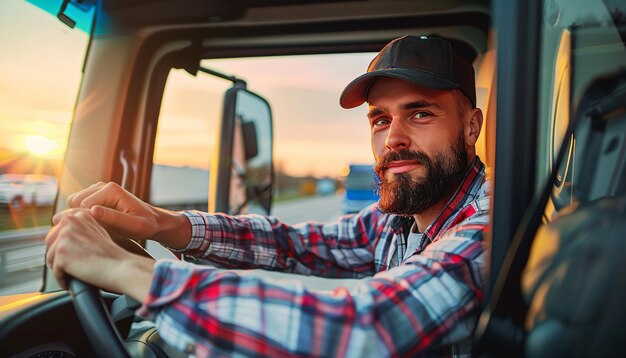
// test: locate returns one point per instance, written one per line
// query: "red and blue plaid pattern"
(427, 305)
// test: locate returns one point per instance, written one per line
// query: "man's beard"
(406, 195)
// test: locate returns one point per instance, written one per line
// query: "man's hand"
(123, 214)
(79, 247)
(115, 208)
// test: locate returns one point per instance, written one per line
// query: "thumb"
(123, 222)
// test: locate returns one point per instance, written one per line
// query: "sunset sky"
(40, 63)
(40, 67)
(312, 133)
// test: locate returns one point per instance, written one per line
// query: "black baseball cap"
(425, 61)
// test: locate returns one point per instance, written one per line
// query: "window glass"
(584, 65)
(582, 44)
(41, 61)
(190, 113)
(314, 138)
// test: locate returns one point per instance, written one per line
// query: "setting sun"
(40, 145)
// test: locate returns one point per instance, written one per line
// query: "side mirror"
(242, 172)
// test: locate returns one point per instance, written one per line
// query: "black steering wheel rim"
(93, 314)
(96, 321)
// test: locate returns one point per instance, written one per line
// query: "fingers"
(122, 222)
(74, 200)
(55, 262)
(74, 242)
(116, 209)
(50, 241)
(105, 194)
(56, 219)
(58, 271)
(105, 215)
(54, 236)
(108, 195)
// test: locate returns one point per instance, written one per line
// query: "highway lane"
(318, 208)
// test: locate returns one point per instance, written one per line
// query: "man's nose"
(397, 138)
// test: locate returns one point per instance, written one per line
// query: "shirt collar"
(466, 192)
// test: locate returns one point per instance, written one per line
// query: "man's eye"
(380, 122)
(419, 115)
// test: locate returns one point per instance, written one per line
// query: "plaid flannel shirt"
(427, 305)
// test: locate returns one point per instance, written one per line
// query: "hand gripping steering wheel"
(93, 315)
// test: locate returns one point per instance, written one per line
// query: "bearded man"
(418, 250)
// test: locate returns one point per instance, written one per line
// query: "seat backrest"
(575, 280)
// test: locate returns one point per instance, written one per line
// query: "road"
(322, 208)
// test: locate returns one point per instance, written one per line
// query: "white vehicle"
(17, 190)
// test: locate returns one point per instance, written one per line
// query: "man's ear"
(472, 126)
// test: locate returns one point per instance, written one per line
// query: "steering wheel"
(96, 321)
(93, 315)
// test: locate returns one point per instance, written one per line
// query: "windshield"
(41, 63)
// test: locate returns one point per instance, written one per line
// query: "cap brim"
(355, 93)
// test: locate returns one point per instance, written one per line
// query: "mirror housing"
(242, 173)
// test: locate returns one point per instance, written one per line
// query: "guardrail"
(13, 242)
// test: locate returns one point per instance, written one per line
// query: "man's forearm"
(133, 277)
(255, 241)
(174, 229)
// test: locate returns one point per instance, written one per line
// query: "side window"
(580, 252)
(582, 45)
(185, 140)
(314, 138)
(39, 80)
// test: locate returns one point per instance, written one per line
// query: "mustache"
(404, 154)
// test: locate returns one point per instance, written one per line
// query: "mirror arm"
(237, 82)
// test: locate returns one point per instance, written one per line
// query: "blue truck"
(360, 182)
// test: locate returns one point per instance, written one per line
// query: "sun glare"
(40, 145)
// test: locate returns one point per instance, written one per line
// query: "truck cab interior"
(550, 81)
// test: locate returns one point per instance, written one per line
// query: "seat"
(570, 269)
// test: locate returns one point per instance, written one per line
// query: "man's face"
(419, 145)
